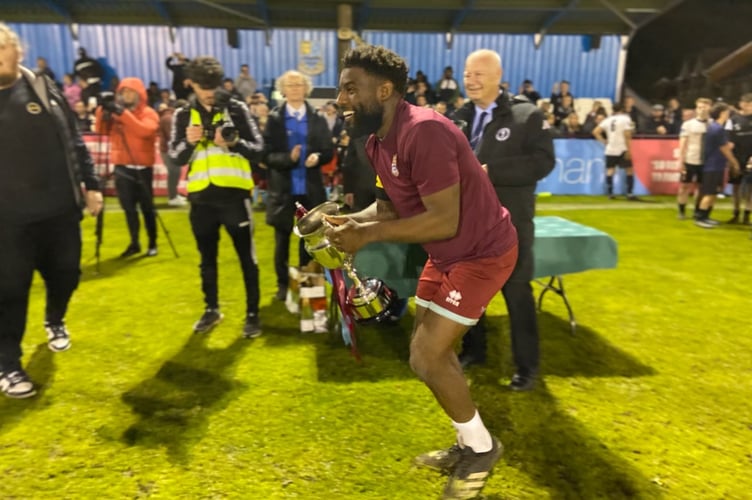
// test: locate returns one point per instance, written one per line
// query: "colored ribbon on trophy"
(348, 322)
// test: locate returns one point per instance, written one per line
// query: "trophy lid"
(314, 219)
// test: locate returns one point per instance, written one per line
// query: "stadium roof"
(468, 16)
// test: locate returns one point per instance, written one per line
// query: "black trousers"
(282, 250)
(51, 246)
(134, 189)
(237, 218)
(523, 318)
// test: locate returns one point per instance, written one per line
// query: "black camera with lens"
(227, 128)
(106, 99)
(110, 103)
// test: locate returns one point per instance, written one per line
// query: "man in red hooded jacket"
(132, 127)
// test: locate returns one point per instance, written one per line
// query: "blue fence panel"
(581, 169)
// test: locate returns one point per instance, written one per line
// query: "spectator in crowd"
(165, 99)
(505, 86)
(546, 107)
(422, 101)
(298, 143)
(591, 120)
(564, 108)
(333, 120)
(447, 89)
(88, 69)
(528, 90)
(219, 185)
(71, 90)
(166, 113)
(410, 92)
(441, 108)
(718, 152)
(656, 124)
(615, 132)
(245, 84)
(570, 126)
(260, 115)
(515, 165)
(177, 62)
(43, 69)
(673, 116)
(691, 141)
(599, 117)
(549, 122)
(358, 178)
(45, 165)
(421, 77)
(422, 89)
(152, 94)
(84, 120)
(458, 102)
(557, 97)
(741, 137)
(132, 126)
(632, 111)
(229, 86)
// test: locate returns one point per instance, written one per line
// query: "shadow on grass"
(587, 353)
(556, 451)
(40, 368)
(544, 440)
(384, 349)
(107, 267)
(174, 406)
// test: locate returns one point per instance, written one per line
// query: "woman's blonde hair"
(284, 77)
(7, 35)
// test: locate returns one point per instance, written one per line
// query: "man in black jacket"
(511, 138)
(298, 142)
(44, 164)
(358, 178)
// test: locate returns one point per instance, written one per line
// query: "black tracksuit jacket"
(518, 149)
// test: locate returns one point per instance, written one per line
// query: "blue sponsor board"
(581, 169)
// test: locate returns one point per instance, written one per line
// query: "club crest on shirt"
(395, 170)
(33, 108)
(503, 134)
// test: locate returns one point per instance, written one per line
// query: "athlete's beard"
(367, 121)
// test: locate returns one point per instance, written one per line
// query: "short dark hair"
(746, 97)
(206, 72)
(379, 61)
(717, 109)
(618, 107)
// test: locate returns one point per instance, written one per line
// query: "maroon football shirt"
(424, 153)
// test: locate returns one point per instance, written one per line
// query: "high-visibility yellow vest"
(214, 165)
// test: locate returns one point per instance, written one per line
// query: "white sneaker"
(58, 338)
(16, 384)
(177, 201)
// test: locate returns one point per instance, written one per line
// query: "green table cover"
(561, 247)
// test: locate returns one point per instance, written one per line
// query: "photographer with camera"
(216, 136)
(132, 127)
(44, 165)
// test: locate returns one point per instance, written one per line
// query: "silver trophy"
(368, 299)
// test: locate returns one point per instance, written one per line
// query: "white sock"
(474, 434)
